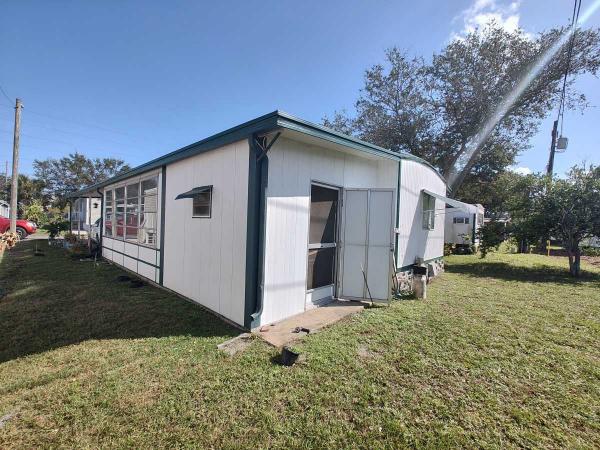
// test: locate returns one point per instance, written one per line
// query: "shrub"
(34, 212)
(56, 227)
(490, 235)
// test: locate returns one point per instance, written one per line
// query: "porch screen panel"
(147, 234)
(132, 212)
(108, 213)
(119, 212)
(322, 236)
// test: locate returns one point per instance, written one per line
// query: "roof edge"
(267, 122)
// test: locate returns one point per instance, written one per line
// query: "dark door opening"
(322, 239)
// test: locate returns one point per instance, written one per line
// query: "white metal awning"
(467, 207)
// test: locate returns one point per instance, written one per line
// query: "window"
(148, 211)
(428, 211)
(459, 220)
(108, 213)
(120, 212)
(467, 220)
(201, 204)
(132, 212)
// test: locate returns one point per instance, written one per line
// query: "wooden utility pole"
(550, 167)
(14, 189)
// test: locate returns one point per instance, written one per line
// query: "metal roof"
(275, 120)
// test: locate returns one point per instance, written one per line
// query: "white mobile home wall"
(205, 258)
(293, 166)
(414, 241)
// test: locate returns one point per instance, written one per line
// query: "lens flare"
(457, 172)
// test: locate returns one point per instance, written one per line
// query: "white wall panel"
(205, 258)
(118, 246)
(130, 263)
(413, 240)
(131, 250)
(147, 254)
(292, 167)
(146, 270)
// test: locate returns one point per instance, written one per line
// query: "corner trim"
(163, 203)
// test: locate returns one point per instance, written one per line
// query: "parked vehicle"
(24, 227)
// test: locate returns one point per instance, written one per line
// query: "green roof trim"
(275, 120)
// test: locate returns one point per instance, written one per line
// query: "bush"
(35, 213)
(491, 235)
(590, 251)
(55, 228)
(8, 240)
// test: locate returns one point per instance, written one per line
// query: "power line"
(6, 96)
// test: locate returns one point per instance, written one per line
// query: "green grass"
(504, 353)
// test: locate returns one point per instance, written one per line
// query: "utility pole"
(550, 167)
(14, 189)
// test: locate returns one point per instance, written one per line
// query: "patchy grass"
(504, 353)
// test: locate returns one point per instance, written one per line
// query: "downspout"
(101, 194)
(258, 183)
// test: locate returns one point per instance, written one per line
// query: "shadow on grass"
(505, 271)
(54, 301)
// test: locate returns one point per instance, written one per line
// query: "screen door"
(322, 243)
(367, 243)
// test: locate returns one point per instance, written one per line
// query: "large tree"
(437, 109)
(69, 174)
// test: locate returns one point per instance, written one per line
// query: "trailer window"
(132, 212)
(108, 213)
(120, 212)
(148, 211)
(428, 211)
(202, 204)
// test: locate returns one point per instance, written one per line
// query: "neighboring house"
(462, 223)
(274, 216)
(4, 209)
(83, 212)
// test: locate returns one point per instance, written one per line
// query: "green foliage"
(435, 109)
(490, 235)
(590, 251)
(55, 227)
(34, 212)
(71, 173)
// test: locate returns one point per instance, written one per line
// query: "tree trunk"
(574, 261)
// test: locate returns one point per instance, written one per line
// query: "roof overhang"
(277, 120)
(467, 207)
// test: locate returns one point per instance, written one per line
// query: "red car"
(24, 227)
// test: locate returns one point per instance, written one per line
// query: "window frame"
(427, 201)
(210, 201)
(124, 184)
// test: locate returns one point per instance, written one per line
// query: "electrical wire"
(561, 105)
(6, 95)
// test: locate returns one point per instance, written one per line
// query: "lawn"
(504, 353)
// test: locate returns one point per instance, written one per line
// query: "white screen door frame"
(367, 243)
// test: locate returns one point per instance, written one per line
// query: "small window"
(467, 220)
(202, 204)
(428, 211)
(459, 220)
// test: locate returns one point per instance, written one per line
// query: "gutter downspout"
(260, 166)
(101, 194)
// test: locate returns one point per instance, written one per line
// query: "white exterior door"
(367, 243)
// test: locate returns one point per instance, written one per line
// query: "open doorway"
(322, 244)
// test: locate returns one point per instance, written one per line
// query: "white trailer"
(275, 216)
(461, 225)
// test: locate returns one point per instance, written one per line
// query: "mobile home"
(83, 212)
(275, 216)
(461, 225)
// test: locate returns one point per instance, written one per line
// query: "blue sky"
(136, 79)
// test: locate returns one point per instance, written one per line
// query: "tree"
(35, 213)
(435, 110)
(490, 236)
(30, 191)
(69, 174)
(570, 210)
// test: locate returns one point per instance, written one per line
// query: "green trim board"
(404, 268)
(275, 120)
(131, 257)
(163, 205)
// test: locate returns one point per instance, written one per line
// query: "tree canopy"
(71, 173)
(436, 109)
